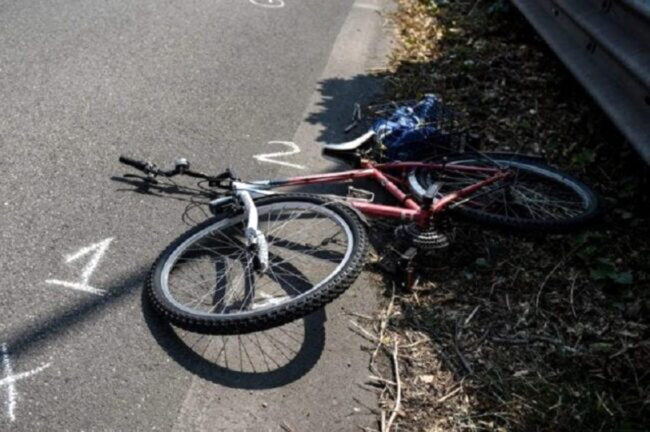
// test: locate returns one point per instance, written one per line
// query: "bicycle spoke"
(217, 275)
(530, 193)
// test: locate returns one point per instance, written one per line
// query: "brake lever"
(180, 166)
(223, 180)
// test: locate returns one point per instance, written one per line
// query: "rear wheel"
(207, 280)
(535, 197)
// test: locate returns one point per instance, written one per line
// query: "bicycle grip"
(142, 166)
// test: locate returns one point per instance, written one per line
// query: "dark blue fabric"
(411, 131)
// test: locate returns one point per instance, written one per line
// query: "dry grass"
(520, 334)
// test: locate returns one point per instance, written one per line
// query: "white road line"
(367, 6)
(353, 53)
(274, 4)
(10, 380)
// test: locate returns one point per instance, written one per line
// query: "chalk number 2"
(271, 157)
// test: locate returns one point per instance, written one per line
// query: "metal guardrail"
(606, 46)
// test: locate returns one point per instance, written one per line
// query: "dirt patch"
(510, 333)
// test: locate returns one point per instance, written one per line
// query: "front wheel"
(207, 281)
(535, 197)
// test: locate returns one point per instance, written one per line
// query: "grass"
(506, 333)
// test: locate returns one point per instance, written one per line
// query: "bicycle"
(266, 258)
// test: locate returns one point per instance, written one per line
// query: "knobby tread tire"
(270, 317)
(527, 225)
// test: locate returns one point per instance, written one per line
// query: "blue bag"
(410, 132)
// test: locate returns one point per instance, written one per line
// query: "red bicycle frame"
(409, 209)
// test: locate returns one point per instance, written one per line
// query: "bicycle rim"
(534, 196)
(212, 273)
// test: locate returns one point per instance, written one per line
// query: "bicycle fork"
(254, 237)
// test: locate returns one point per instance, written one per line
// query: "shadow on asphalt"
(254, 361)
(338, 96)
(60, 321)
(262, 360)
(163, 188)
(281, 355)
(259, 360)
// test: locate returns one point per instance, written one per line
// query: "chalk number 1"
(96, 252)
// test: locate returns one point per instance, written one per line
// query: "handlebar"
(139, 165)
(181, 167)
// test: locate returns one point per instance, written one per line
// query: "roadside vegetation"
(508, 333)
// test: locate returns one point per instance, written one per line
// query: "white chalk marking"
(268, 157)
(99, 250)
(77, 286)
(268, 3)
(10, 380)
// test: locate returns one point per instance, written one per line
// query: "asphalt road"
(212, 81)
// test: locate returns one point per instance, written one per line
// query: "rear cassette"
(424, 240)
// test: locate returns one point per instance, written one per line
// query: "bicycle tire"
(268, 316)
(584, 209)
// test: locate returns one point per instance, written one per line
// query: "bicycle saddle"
(350, 145)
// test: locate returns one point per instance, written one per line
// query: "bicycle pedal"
(360, 194)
